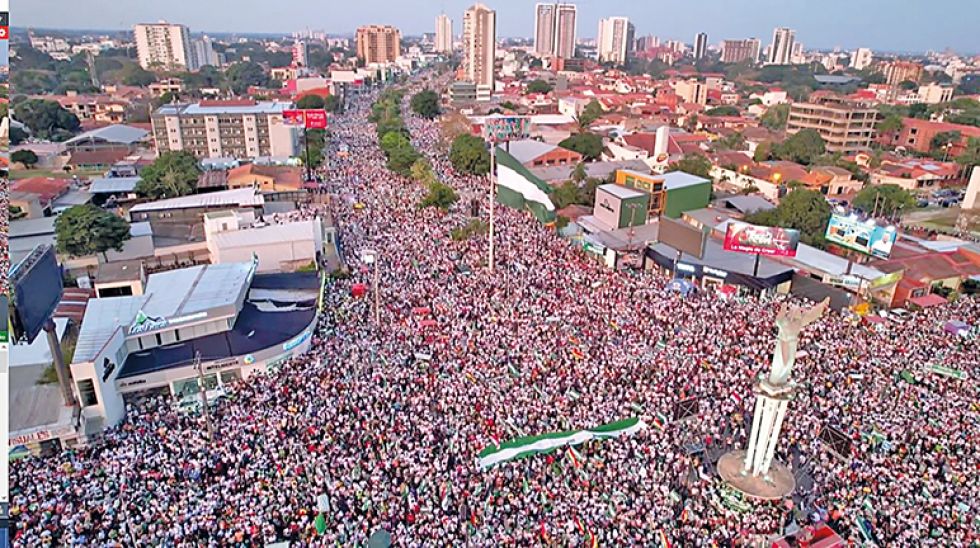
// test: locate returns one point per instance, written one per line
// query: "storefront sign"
(714, 272)
(146, 324)
(852, 282)
(684, 267)
(221, 364)
(296, 342)
(761, 240)
(40, 435)
(308, 118)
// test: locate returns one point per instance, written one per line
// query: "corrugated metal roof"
(238, 197)
(110, 185)
(102, 318)
(195, 289)
(286, 232)
(117, 133)
(621, 192)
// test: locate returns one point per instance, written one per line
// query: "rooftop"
(271, 234)
(526, 150)
(225, 107)
(117, 133)
(112, 185)
(621, 192)
(241, 197)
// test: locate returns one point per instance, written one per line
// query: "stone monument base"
(779, 484)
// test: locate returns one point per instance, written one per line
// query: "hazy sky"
(888, 25)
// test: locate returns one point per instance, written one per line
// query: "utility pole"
(204, 394)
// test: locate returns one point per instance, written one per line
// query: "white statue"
(790, 321)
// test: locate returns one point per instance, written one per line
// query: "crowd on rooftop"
(387, 419)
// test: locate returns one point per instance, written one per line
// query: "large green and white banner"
(527, 446)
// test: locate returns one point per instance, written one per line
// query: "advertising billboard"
(37, 287)
(864, 236)
(309, 118)
(506, 128)
(761, 240)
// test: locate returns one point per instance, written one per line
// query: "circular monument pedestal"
(779, 483)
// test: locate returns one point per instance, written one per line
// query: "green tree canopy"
(695, 164)
(890, 124)
(803, 147)
(86, 230)
(469, 154)
(775, 117)
(426, 104)
(589, 145)
(439, 195)
(26, 157)
(725, 110)
(310, 102)
(400, 152)
(134, 75)
(884, 200)
(47, 119)
(539, 86)
(244, 74)
(944, 138)
(333, 104)
(908, 85)
(171, 175)
(802, 209)
(590, 113)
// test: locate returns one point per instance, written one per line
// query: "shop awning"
(926, 301)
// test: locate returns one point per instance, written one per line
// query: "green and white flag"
(520, 448)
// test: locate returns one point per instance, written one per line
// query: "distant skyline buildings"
(378, 44)
(781, 46)
(555, 29)
(479, 45)
(700, 45)
(444, 34)
(872, 26)
(736, 51)
(614, 40)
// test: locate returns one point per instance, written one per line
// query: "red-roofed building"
(917, 134)
(47, 188)
(915, 174)
(930, 272)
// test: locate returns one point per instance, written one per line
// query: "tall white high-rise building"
(479, 44)
(781, 49)
(615, 40)
(164, 46)
(301, 57)
(204, 54)
(444, 34)
(700, 45)
(555, 29)
(861, 58)
(545, 18)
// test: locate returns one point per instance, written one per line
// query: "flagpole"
(493, 164)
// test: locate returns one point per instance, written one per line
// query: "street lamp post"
(493, 183)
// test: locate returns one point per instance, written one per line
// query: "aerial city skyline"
(835, 24)
(652, 274)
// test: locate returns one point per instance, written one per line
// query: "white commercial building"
(218, 314)
(861, 58)
(215, 129)
(285, 247)
(555, 29)
(615, 40)
(164, 46)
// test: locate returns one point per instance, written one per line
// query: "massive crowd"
(386, 420)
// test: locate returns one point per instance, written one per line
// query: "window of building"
(86, 391)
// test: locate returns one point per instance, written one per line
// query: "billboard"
(864, 236)
(37, 287)
(682, 236)
(506, 128)
(308, 118)
(761, 240)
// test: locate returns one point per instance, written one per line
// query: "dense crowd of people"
(386, 420)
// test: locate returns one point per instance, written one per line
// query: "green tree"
(884, 200)
(17, 136)
(86, 230)
(244, 74)
(695, 164)
(762, 152)
(735, 141)
(173, 174)
(422, 171)
(589, 145)
(944, 138)
(400, 152)
(579, 174)
(592, 112)
(333, 104)
(539, 86)
(802, 209)
(24, 156)
(803, 147)
(47, 119)
(566, 194)
(469, 154)
(969, 157)
(134, 75)
(890, 124)
(311, 102)
(439, 195)
(908, 85)
(775, 117)
(726, 110)
(426, 104)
